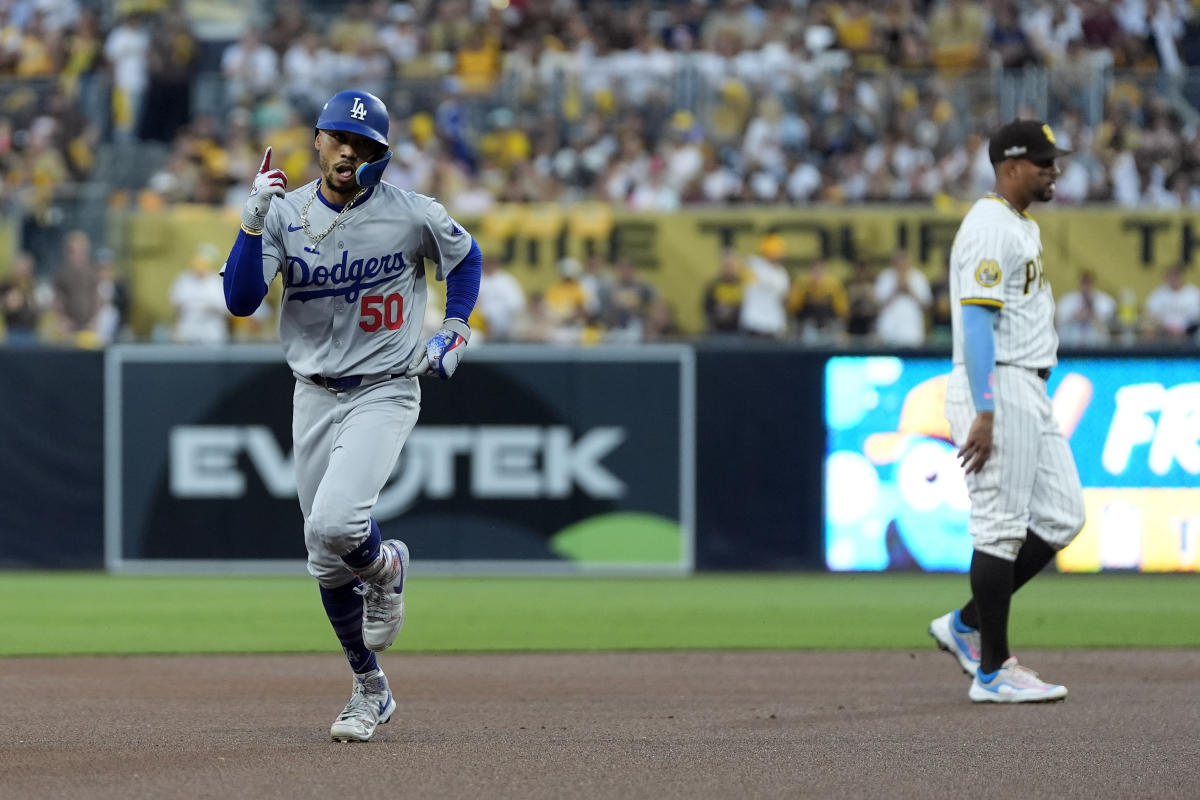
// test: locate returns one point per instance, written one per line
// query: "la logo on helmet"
(358, 110)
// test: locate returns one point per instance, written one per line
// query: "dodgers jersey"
(996, 260)
(353, 304)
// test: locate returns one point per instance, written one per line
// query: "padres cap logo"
(988, 273)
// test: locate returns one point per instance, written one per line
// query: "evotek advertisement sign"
(895, 496)
(535, 460)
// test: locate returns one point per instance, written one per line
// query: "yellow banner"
(679, 253)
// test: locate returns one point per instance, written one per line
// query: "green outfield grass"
(76, 613)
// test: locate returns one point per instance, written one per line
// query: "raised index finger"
(266, 162)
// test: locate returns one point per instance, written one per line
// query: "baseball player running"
(1026, 498)
(351, 251)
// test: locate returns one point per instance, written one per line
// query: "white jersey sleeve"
(996, 261)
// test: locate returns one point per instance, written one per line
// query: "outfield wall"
(737, 456)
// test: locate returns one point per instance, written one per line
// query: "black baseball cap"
(1024, 138)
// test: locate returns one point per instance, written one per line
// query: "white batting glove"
(268, 184)
(441, 354)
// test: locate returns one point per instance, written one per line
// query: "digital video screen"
(895, 497)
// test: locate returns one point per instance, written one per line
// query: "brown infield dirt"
(603, 725)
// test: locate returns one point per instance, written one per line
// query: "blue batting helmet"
(356, 112)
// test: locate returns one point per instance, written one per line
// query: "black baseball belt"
(346, 382)
(1041, 372)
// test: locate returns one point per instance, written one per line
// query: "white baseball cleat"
(371, 704)
(1013, 683)
(383, 596)
(958, 640)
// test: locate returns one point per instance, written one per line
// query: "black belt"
(346, 381)
(1041, 372)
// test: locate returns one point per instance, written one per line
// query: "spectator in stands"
(399, 36)
(308, 67)
(126, 48)
(1009, 47)
(37, 48)
(82, 63)
(289, 24)
(77, 292)
(854, 27)
(681, 153)
(723, 295)
(597, 282)
(198, 298)
(902, 36)
(764, 295)
(450, 27)
(1173, 308)
(818, 305)
(40, 173)
(113, 297)
(565, 300)
(1086, 316)
(170, 61)
(632, 300)
(660, 323)
(939, 308)
(1164, 27)
(651, 191)
(537, 326)
(501, 302)
(904, 298)
(477, 62)
(250, 68)
(861, 308)
(1053, 27)
(19, 302)
(956, 34)
(1101, 31)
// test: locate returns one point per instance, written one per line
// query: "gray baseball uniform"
(352, 309)
(1030, 480)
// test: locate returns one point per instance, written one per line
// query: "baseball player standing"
(1026, 498)
(351, 251)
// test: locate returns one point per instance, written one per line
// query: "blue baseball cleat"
(958, 640)
(1013, 683)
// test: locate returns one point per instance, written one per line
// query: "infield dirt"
(608, 725)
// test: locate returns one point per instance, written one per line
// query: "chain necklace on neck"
(316, 239)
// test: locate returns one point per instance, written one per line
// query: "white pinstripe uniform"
(1030, 479)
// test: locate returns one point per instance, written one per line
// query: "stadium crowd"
(649, 106)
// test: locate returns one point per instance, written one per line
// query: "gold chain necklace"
(304, 214)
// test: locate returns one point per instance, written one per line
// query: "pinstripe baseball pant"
(1030, 481)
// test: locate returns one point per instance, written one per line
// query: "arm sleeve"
(979, 353)
(243, 275)
(462, 285)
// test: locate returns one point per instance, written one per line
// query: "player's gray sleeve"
(443, 241)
